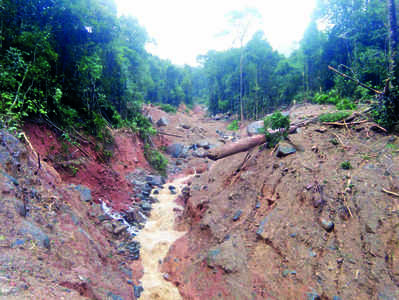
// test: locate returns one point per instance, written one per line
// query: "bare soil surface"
(249, 226)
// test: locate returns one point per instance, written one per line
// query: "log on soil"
(250, 142)
(237, 147)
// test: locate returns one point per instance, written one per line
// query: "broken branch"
(390, 193)
(355, 80)
(170, 134)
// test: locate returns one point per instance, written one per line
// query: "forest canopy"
(77, 62)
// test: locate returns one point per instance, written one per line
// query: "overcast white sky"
(184, 29)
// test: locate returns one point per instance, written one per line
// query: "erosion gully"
(156, 238)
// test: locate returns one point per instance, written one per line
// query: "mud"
(156, 238)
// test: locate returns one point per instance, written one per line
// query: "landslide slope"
(316, 224)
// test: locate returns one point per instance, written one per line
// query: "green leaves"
(279, 124)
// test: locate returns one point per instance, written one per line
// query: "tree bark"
(393, 40)
(237, 147)
(248, 143)
(241, 82)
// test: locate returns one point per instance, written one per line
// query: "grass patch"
(334, 142)
(233, 126)
(346, 165)
(335, 116)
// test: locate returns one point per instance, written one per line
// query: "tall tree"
(242, 23)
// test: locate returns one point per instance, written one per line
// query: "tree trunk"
(393, 40)
(237, 147)
(241, 84)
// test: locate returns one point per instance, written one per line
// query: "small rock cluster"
(132, 220)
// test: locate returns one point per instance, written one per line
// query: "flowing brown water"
(155, 240)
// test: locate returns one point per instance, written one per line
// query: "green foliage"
(168, 108)
(334, 142)
(346, 165)
(278, 123)
(392, 146)
(156, 159)
(334, 117)
(233, 126)
(330, 98)
(346, 104)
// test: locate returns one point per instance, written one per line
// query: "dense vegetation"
(76, 62)
(355, 39)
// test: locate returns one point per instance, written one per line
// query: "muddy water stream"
(155, 239)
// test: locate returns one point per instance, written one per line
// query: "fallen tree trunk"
(237, 147)
(250, 142)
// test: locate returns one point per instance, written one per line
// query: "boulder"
(162, 122)
(203, 144)
(285, 149)
(176, 150)
(231, 256)
(255, 128)
(199, 153)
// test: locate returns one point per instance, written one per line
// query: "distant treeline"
(354, 39)
(76, 62)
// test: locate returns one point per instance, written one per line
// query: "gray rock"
(203, 144)
(112, 296)
(199, 153)
(176, 150)
(262, 230)
(21, 208)
(85, 193)
(172, 189)
(231, 256)
(327, 225)
(237, 215)
(118, 230)
(162, 122)
(255, 128)
(155, 180)
(18, 242)
(288, 272)
(138, 289)
(108, 227)
(313, 296)
(35, 232)
(285, 149)
(145, 206)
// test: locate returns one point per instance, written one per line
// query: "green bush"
(168, 108)
(346, 165)
(334, 117)
(276, 122)
(346, 104)
(233, 126)
(330, 98)
(156, 159)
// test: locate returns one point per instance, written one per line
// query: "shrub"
(233, 126)
(330, 98)
(346, 104)
(168, 108)
(346, 165)
(280, 124)
(155, 159)
(334, 117)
